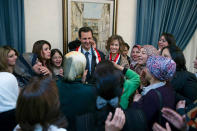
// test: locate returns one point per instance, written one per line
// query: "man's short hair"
(126, 45)
(84, 29)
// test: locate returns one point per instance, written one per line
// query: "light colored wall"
(43, 21)
(190, 53)
(126, 22)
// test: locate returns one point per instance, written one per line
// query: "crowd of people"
(87, 90)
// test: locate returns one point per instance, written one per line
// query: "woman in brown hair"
(42, 49)
(115, 45)
(38, 107)
(8, 56)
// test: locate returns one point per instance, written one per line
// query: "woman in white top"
(8, 96)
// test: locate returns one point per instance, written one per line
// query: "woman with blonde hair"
(76, 98)
(8, 56)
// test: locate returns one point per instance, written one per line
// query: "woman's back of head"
(109, 83)
(38, 103)
(74, 65)
(109, 80)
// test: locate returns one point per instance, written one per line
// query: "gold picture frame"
(100, 15)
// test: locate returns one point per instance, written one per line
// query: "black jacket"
(89, 77)
(185, 86)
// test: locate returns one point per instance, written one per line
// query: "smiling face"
(135, 53)
(46, 52)
(166, 53)
(114, 47)
(57, 59)
(142, 57)
(86, 38)
(162, 42)
(11, 58)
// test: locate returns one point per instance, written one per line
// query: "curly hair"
(120, 41)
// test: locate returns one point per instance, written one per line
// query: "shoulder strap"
(160, 106)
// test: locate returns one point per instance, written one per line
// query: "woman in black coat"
(184, 82)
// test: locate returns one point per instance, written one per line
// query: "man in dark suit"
(93, 56)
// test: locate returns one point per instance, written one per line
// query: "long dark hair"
(38, 103)
(178, 56)
(109, 80)
(109, 83)
(119, 39)
(169, 38)
(37, 49)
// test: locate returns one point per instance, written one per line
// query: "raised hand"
(83, 79)
(118, 121)
(173, 117)
(44, 70)
(137, 97)
(157, 127)
(61, 73)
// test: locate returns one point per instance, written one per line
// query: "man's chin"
(113, 52)
(87, 47)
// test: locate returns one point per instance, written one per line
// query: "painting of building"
(96, 15)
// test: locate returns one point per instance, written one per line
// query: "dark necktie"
(87, 61)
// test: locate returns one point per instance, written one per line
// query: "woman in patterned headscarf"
(159, 93)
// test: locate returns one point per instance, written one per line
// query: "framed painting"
(100, 15)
